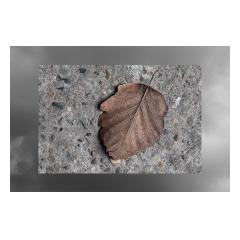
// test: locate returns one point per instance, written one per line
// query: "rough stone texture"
(69, 99)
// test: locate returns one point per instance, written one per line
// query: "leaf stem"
(152, 77)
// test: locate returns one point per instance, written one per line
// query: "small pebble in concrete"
(58, 104)
(82, 70)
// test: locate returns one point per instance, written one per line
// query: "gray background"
(214, 62)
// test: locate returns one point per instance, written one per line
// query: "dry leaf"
(132, 120)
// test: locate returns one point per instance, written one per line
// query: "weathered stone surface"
(69, 98)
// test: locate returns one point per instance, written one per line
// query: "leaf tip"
(115, 162)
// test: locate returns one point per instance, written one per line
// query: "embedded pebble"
(58, 104)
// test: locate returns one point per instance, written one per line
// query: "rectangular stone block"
(69, 99)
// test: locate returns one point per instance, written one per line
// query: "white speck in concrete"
(177, 101)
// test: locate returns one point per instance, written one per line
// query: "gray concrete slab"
(69, 99)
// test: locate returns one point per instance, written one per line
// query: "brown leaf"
(132, 120)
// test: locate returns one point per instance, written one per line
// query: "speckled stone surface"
(69, 99)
